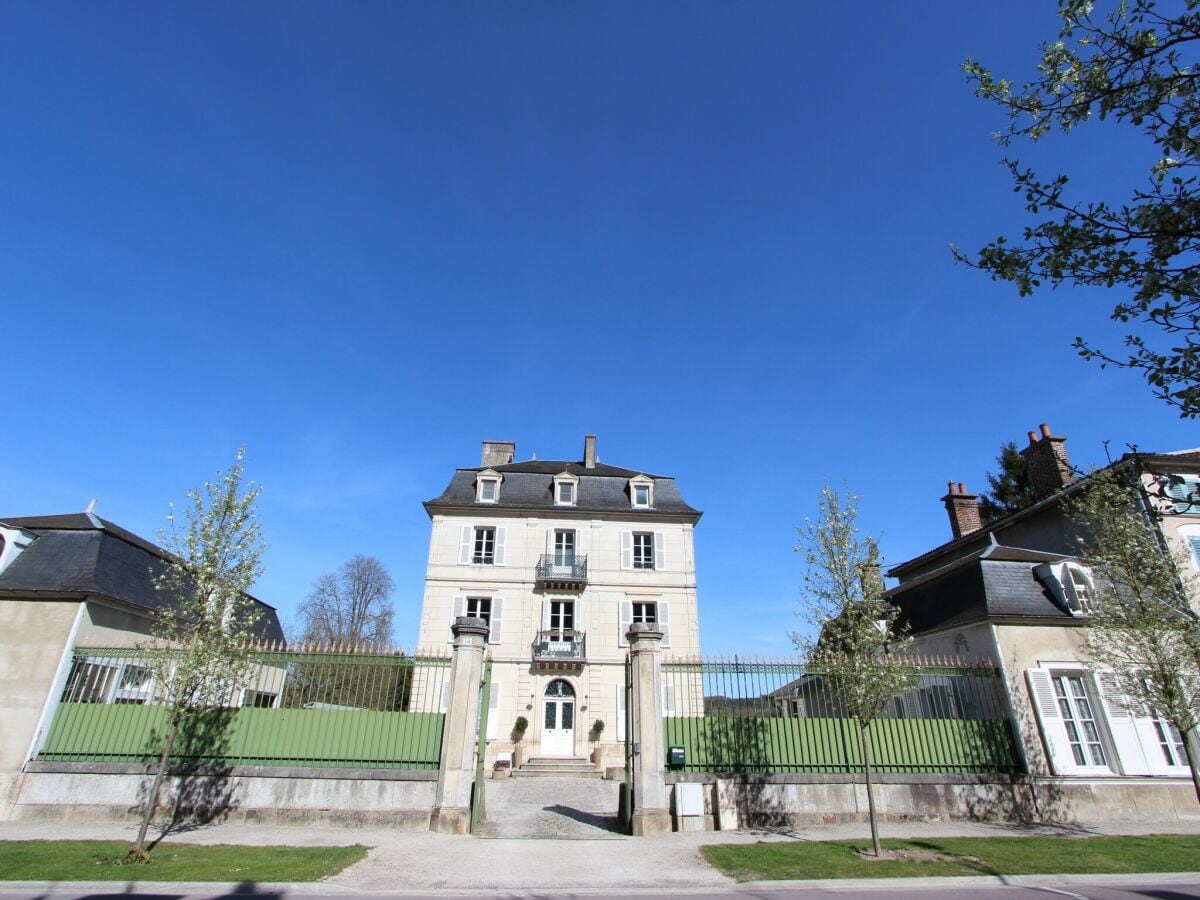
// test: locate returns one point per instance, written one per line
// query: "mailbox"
(676, 758)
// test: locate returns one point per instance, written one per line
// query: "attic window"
(566, 487)
(487, 487)
(1077, 588)
(1184, 493)
(641, 492)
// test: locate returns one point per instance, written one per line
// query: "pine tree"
(1010, 489)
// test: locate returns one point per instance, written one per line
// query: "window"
(259, 699)
(490, 609)
(480, 608)
(1083, 733)
(1183, 492)
(484, 553)
(1170, 741)
(487, 486)
(1078, 584)
(566, 494)
(645, 612)
(641, 491)
(643, 550)
(562, 618)
(564, 547)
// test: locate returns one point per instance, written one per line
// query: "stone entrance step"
(558, 767)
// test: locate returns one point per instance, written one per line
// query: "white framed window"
(1069, 715)
(642, 550)
(481, 545)
(648, 611)
(487, 486)
(566, 489)
(641, 492)
(259, 699)
(1077, 582)
(1190, 535)
(1170, 741)
(1183, 491)
(490, 609)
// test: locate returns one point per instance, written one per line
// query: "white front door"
(558, 720)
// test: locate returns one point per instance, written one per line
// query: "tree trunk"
(1192, 761)
(139, 846)
(866, 744)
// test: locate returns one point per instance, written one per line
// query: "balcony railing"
(559, 645)
(562, 568)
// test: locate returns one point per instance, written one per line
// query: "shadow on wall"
(199, 788)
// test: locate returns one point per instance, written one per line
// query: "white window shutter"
(545, 614)
(493, 726)
(445, 704)
(457, 608)
(668, 700)
(495, 632)
(626, 620)
(1194, 544)
(663, 614)
(660, 556)
(465, 545)
(498, 558)
(911, 702)
(620, 712)
(1054, 733)
(1121, 726)
(626, 549)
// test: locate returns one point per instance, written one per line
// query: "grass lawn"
(958, 856)
(98, 861)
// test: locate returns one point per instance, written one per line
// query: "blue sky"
(361, 238)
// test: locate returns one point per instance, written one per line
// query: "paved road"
(1124, 887)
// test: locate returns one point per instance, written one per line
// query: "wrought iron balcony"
(560, 645)
(563, 570)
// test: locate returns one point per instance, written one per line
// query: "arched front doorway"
(558, 719)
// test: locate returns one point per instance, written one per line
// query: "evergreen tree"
(1009, 489)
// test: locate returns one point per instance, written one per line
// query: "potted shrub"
(597, 752)
(518, 733)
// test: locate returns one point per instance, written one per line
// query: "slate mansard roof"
(997, 584)
(530, 486)
(80, 553)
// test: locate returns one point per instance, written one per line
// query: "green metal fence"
(777, 716)
(322, 706)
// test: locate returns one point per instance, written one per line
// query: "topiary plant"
(519, 728)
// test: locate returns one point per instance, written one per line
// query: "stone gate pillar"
(456, 770)
(651, 809)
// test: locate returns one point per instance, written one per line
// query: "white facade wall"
(519, 612)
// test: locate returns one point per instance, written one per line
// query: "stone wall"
(107, 792)
(748, 801)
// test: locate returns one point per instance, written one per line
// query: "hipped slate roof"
(530, 486)
(80, 553)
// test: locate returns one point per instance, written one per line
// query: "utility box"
(689, 800)
(676, 757)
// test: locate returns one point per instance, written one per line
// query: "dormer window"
(566, 489)
(641, 492)
(487, 486)
(1071, 583)
(1078, 588)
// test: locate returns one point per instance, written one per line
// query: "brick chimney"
(589, 451)
(1049, 467)
(963, 509)
(498, 453)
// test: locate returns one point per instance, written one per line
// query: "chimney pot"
(963, 510)
(589, 451)
(1049, 467)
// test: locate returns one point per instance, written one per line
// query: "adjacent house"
(1015, 594)
(67, 581)
(560, 558)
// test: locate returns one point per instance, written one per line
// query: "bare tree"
(858, 648)
(351, 606)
